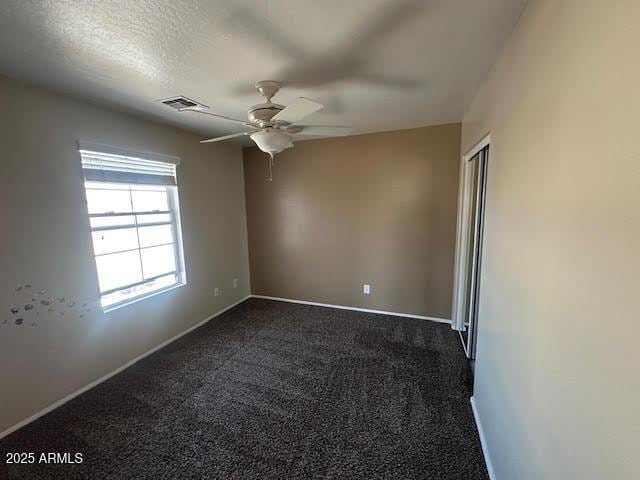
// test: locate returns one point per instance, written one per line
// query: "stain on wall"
(37, 306)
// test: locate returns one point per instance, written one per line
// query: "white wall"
(557, 383)
(45, 241)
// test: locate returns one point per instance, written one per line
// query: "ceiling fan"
(273, 126)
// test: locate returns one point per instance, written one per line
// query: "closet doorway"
(469, 246)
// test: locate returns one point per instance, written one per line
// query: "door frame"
(464, 224)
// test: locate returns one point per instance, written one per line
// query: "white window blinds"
(99, 166)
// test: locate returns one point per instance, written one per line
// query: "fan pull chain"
(270, 167)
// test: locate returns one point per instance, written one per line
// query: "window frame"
(173, 211)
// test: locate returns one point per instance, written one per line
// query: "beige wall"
(45, 241)
(377, 209)
(557, 383)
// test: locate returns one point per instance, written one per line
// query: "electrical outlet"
(235, 283)
(366, 289)
(216, 292)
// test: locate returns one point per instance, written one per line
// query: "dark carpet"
(273, 390)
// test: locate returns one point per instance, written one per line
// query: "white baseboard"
(483, 441)
(64, 400)
(344, 307)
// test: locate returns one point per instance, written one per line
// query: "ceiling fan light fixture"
(271, 125)
(271, 141)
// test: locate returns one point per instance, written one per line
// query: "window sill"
(117, 306)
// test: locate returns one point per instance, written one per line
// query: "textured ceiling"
(375, 64)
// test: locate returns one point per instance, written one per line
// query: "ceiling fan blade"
(297, 110)
(226, 137)
(222, 117)
(323, 130)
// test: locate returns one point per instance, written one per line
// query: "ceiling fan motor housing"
(260, 115)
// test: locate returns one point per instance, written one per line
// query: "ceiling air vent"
(180, 103)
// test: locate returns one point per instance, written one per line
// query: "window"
(135, 225)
